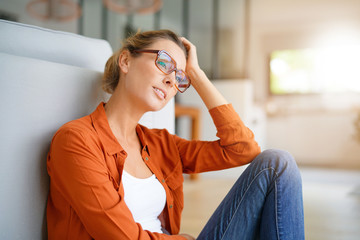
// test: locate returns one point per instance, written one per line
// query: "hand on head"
(192, 60)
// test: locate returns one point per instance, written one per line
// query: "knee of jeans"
(282, 161)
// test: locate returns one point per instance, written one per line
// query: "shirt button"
(163, 180)
(146, 158)
(171, 206)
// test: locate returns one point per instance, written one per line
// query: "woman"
(112, 178)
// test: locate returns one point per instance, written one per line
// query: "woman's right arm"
(236, 145)
(79, 175)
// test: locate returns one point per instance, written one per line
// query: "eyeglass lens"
(167, 65)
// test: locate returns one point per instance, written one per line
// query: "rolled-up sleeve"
(236, 145)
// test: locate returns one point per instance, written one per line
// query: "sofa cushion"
(36, 98)
(56, 46)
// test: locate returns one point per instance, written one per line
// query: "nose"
(169, 80)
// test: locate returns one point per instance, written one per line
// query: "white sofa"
(46, 79)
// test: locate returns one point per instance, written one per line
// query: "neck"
(123, 117)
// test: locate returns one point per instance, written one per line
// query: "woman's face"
(145, 84)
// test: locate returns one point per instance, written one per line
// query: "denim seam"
(276, 210)
(276, 205)
(237, 207)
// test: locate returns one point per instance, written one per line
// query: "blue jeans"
(264, 203)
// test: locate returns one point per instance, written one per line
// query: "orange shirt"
(85, 163)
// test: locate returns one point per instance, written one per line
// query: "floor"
(331, 202)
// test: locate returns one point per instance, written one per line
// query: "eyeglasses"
(166, 64)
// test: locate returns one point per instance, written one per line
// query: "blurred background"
(290, 68)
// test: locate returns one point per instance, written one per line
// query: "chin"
(154, 104)
(157, 106)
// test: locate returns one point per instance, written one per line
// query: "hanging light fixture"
(133, 6)
(58, 10)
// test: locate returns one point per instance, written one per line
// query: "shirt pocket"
(175, 183)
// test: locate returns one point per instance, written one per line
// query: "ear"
(124, 61)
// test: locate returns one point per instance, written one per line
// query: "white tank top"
(146, 199)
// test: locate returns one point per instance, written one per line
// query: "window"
(326, 70)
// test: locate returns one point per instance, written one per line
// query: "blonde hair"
(139, 40)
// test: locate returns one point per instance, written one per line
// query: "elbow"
(242, 153)
(250, 151)
(256, 151)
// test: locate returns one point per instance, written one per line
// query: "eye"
(162, 64)
(165, 62)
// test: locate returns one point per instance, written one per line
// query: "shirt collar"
(142, 138)
(102, 127)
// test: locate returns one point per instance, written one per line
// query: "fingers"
(192, 60)
(188, 45)
(184, 40)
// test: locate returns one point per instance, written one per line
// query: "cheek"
(141, 66)
(172, 93)
(140, 75)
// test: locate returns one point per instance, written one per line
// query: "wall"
(317, 129)
(316, 139)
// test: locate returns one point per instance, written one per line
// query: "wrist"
(194, 72)
(197, 77)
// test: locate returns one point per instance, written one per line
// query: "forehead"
(173, 49)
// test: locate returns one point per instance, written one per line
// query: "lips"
(160, 93)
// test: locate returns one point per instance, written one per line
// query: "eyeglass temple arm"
(147, 51)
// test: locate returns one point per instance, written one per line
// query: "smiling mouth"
(160, 93)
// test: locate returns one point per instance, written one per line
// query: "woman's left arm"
(203, 86)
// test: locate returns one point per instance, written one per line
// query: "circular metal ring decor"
(133, 6)
(58, 10)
